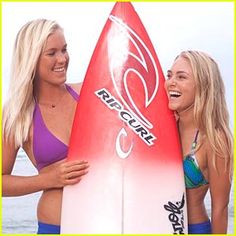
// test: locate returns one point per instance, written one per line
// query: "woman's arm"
(16, 185)
(220, 184)
(56, 175)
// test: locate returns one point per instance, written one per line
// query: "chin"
(63, 80)
(172, 107)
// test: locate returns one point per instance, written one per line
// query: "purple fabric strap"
(47, 148)
(72, 92)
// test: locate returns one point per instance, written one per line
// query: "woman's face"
(180, 85)
(53, 62)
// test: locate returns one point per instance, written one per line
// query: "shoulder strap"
(194, 144)
(72, 92)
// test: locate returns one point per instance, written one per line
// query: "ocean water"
(19, 213)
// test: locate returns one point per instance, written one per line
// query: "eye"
(52, 53)
(168, 76)
(64, 50)
(181, 77)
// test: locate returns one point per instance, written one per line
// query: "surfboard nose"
(122, 9)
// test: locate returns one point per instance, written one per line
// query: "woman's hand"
(64, 173)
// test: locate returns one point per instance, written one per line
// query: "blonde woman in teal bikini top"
(195, 91)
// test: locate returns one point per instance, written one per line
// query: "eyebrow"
(51, 49)
(178, 72)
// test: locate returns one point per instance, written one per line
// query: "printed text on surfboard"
(176, 216)
(126, 116)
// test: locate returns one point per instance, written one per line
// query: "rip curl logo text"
(176, 216)
(113, 104)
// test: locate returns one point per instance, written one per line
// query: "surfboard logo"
(176, 216)
(127, 117)
(130, 57)
(129, 54)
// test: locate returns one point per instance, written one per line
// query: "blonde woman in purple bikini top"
(38, 117)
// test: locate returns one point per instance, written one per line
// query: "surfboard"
(126, 132)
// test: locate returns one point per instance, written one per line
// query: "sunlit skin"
(51, 77)
(181, 90)
(52, 67)
(54, 60)
(49, 89)
(180, 87)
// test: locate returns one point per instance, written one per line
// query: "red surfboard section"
(126, 132)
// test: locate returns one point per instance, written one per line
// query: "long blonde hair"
(210, 109)
(19, 107)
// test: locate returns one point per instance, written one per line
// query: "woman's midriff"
(49, 207)
(195, 204)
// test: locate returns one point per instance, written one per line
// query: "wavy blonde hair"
(210, 109)
(19, 107)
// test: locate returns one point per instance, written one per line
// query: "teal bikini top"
(192, 173)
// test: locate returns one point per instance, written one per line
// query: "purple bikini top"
(47, 148)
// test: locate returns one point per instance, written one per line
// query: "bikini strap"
(194, 144)
(72, 92)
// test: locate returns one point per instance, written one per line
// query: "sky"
(171, 26)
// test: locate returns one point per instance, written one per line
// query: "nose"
(170, 82)
(62, 57)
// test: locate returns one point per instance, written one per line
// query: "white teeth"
(59, 69)
(174, 93)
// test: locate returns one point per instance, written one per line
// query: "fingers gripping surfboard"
(124, 129)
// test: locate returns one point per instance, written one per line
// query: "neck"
(186, 119)
(49, 93)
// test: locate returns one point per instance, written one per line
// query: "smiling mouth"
(174, 94)
(59, 69)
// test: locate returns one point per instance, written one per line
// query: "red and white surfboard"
(126, 132)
